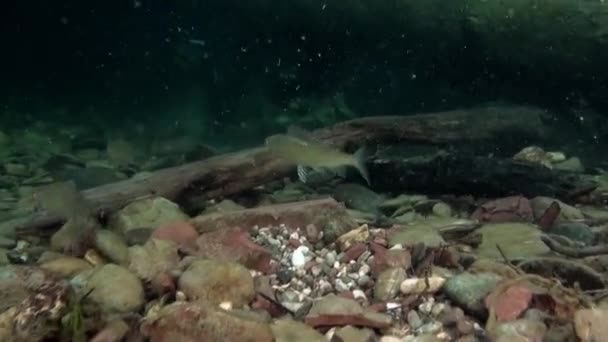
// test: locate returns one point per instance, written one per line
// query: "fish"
(298, 147)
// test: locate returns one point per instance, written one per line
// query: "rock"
(567, 212)
(153, 261)
(218, 282)
(521, 330)
(354, 252)
(572, 164)
(138, 236)
(509, 303)
(189, 322)
(590, 324)
(182, 233)
(419, 285)
(233, 244)
(332, 310)
(6, 242)
(384, 259)
(75, 236)
(346, 240)
(287, 330)
(352, 334)
(327, 214)
(508, 209)
(442, 210)
(114, 331)
(576, 231)
(413, 234)
(65, 266)
(517, 240)
(388, 282)
(469, 290)
(121, 152)
(313, 234)
(114, 289)
(150, 212)
(112, 246)
(3, 257)
(359, 197)
(403, 200)
(483, 265)
(33, 310)
(16, 169)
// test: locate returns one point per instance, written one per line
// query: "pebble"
(414, 320)
(298, 258)
(364, 270)
(341, 286)
(316, 270)
(363, 281)
(430, 328)
(284, 276)
(442, 210)
(6, 242)
(330, 258)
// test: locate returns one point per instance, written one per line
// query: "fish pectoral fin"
(303, 172)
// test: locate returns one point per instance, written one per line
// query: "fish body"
(312, 154)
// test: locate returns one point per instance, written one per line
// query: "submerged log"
(467, 174)
(235, 172)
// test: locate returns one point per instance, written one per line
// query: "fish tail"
(360, 157)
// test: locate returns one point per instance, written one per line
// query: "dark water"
(226, 74)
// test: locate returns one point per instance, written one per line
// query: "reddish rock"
(376, 248)
(182, 233)
(383, 260)
(331, 311)
(509, 304)
(319, 212)
(295, 243)
(508, 209)
(234, 244)
(192, 322)
(381, 241)
(354, 251)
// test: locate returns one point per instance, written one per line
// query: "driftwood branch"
(235, 172)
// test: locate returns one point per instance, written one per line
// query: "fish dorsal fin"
(300, 133)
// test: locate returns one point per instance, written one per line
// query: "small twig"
(507, 261)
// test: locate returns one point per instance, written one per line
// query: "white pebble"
(359, 294)
(389, 339)
(226, 305)
(298, 258)
(364, 270)
(294, 236)
(341, 286)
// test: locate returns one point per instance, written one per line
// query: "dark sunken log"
(466, 174)
(228, 174)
